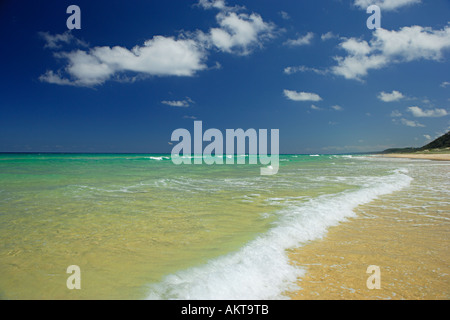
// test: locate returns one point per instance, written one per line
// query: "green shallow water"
(129, 220)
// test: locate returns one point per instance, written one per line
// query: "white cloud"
(389, 97)
(356, 67)
(314, 107)
(239, 33)
(213, 4)
(412, 43)
(301, 96)
(327, 36)
(387, 5)
(179, 103)
(389, 47)
(396, 114)
(356, 47)
(284, 15)
(427, 136)
(432, 113)
(56, 41)
(159, 56)
(183, 56)
(337, 108)
(445, 84)
(301, 41)
(292, 70)
(411, 123)
(56, 78)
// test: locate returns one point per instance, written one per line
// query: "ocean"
(140, 227)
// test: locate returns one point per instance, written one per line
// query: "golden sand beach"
(441, 156)
(410, 245)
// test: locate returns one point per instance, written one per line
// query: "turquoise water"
(140, 227)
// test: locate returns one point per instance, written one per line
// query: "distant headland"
(438, 149)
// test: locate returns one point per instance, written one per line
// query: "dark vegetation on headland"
(440, 145)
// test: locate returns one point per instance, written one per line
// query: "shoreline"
(336, 266)
(405, 233)
(437, 156)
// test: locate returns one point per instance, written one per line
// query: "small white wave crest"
(261, 269)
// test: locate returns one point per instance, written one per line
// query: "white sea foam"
(261, 269)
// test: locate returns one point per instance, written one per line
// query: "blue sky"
(136, 71)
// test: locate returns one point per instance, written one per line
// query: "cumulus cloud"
(301, 96)
(159, 56)
(387, 5)
(445, 84)
(432, 113)
(213, 4)
(182, 56)
(389, 97)
(357, 66)
(300, 41)
(239, 33)
(389, 47)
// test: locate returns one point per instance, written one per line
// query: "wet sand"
(442, 156)
(412, 251)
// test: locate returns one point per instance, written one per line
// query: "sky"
(138, 70)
